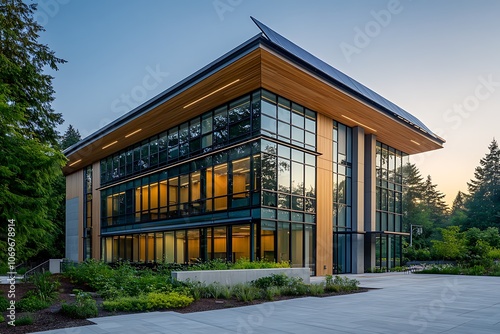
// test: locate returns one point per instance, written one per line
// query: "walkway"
(404, 304)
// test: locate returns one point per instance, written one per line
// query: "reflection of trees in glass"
(284, 175)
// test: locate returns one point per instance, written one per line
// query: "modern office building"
(265, 153)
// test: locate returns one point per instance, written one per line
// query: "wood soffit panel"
(173, 112)
(284, 78)
(260, 68)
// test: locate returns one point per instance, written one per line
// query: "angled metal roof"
(344, 80)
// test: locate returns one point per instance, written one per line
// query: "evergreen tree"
(30, 161)
(415, 211)
(434, 200)
(26, 88)
(483, 206)
(458, 202)
(423, 205)
(458, 216)
(70, 137)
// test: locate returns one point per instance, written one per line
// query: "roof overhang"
(256, 63)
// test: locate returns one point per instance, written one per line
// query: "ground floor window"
(269, 240)
(342, 253)
(388, 251)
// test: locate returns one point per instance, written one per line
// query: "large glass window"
(389, 164)
(87, 211)
(228, 180)
(250, 115)
(342, 197)
(241, 241)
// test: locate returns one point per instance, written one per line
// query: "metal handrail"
(32, 270)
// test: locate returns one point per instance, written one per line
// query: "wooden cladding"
(173, 112)
(260, 68)
(284, 78)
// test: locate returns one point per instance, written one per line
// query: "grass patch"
(24, 320)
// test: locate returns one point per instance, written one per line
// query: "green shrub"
(24, 320)
(494, 254)
(272, 280)
(31, 302)
(494, 270)
(246, 292)
(295, 287)
(147, 302)
(244, 263)
(476, 271)
(169, 300)
(84, 306)
(215, 264)
(316, 289)
(271, 292)
(397, 269)
(4, 303)
(96, 274)
(215, 290)
(197, 290)
(340, 284)
(46, 286)
(122, 281)
(2, 319)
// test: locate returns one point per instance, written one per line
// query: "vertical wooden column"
(96, 211)
(324, 196)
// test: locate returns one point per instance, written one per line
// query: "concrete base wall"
(55, 266)
(231, 277)
(72, 215)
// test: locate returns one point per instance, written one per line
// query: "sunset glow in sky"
(436, 59)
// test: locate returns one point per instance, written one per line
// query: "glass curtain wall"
(342, 198)
(272, 179)
(87, 211)
(389, 204)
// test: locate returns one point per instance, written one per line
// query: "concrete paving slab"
(402, 303)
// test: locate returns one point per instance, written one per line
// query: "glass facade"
(87, 211)
(342, 198)
(232, 185)
(389, 205)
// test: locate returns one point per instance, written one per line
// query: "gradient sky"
(439, 60)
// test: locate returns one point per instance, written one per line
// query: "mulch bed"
(50, 318)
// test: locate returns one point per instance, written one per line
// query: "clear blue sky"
(436, 59)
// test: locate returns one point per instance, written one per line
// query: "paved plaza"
(401, 303)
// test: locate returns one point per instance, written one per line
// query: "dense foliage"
(468, 233)
(30, 160)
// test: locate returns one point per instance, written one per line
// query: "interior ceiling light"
(363, 125)
(105, 147)
(212, 93)
(415, 142)
(74, 163)
(133, 133)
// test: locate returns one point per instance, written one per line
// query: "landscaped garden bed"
(94, 289)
